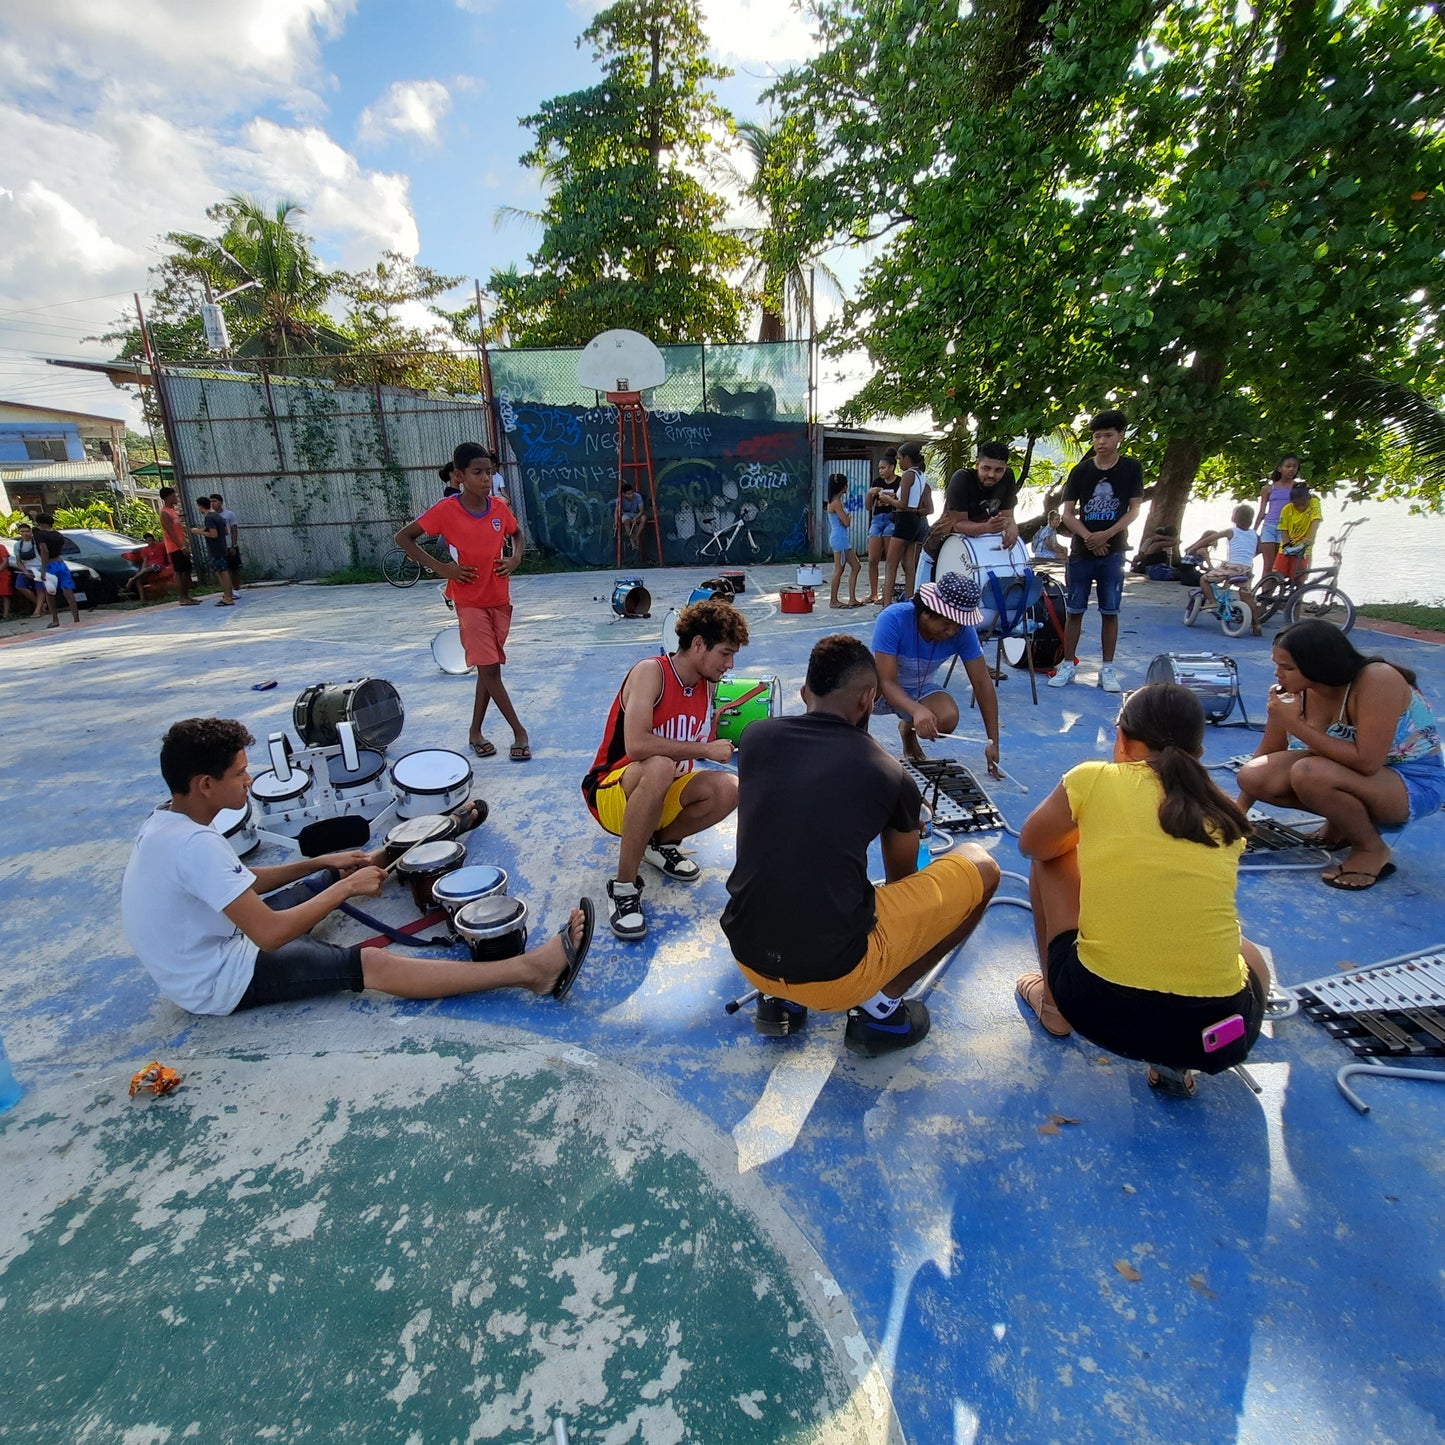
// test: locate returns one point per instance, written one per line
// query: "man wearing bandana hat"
(911, 641)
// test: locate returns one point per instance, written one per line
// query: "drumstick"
(960, 738)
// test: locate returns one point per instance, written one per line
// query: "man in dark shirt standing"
(213, 529)
(806, 926)
(1101, 499)
(55, 573)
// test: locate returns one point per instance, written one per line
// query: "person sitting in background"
(1159, 549)
(194, 915)
(1046, 546)
(156, 573)
(1348, 737)
(1298, 523)
(1106, 846)
(805, 925)
(629, 517)
(1238, 567)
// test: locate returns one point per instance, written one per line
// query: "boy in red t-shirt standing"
(475, 526)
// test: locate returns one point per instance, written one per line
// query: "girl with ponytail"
(1110, 845)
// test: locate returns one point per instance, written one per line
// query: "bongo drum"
(430, 781)
(371, 705)
(630, 598)
(238, 827)
(347, 781)
(744, 700)
(273, 796)
(461, 886)
(423, 866)
(1212, 678)
(448, 653)
(427, 828)
(492, 928)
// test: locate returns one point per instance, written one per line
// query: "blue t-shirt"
(896, 633)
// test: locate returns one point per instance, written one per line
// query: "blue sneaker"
(903, 1028)
(776, 1018)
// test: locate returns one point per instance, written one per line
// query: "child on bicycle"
(843, 553)
(1236, 569)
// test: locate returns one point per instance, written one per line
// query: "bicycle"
(1223, 602)
(718, 542)
(400, 569)
(1313, 594)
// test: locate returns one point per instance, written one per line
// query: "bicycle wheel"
(758, 552)
(1193, 607)
(1323, 603)
(1269, 595)
(1233, 619)
(399, 569)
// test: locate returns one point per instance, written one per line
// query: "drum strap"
(1053, 612)
(1009, 621)
(732, 708)
(384, 929)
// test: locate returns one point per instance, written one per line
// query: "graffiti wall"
(733, 488)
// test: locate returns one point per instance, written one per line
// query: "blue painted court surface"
(366, 1219)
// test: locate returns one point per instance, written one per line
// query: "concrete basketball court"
(367, 1219)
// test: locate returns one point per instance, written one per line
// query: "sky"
(394, 123)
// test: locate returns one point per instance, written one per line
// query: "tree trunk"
(1176, 477)
(771, 327)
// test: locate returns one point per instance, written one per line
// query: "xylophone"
(959, 804)
(1395, 1009)
(1270, 836)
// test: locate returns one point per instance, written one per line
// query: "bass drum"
(448, 653)
(371, 705)
(976, 557)
(1211, 677)
(1046, 621)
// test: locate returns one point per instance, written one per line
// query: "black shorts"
(304, 968)
(908, 526)
(181, 562)
(1140, 1023)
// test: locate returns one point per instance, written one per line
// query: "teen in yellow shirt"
(1299, 520)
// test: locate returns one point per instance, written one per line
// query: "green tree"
(390, 350)
(1223, 219)
(632, 237)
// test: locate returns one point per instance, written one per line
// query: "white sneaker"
(1063, 675)
(1109, 679)
(672, 861)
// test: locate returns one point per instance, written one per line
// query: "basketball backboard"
(619, 361)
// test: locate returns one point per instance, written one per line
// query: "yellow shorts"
(611, 805)
(913, 915)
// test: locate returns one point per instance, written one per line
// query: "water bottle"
(925, 830)
(9, 1085)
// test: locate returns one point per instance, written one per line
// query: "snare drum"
(347, 781)
(425, 865)
(430, 781)
(371, 705)
(810, 574)
(712, 589)
(744, 700)
(492, 928)
(630, 598)
(238, 825)
(466, 885)
(976, 557)
(1212, 678)
(428, 828)
(274, 796)
(448, 653)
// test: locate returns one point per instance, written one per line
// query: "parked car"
(90, 588)
(104, 554)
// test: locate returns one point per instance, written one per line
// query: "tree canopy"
(632, 235)
(1225, 220)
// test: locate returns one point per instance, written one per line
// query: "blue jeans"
(1083, 572)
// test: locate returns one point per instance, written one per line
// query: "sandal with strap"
(575, 953)
(1179, 1082)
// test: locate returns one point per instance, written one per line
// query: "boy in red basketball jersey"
(475, 525)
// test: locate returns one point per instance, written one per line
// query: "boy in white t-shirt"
(194, 915)
(1239, 565)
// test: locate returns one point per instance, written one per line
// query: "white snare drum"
(346, 781)
(448, 652)
(1212, 678)
(976, 557)
(274, 796)
(430, 781)
(239, 827)
(810, 574)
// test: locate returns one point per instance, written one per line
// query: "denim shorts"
(304, 968)
(1269, 532)
(1084, 572)
(881, 525)
(1424, 780)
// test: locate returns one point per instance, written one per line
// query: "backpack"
(925, 502)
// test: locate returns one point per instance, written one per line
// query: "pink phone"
(1216, 1036)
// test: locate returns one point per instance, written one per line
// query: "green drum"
(744, 700)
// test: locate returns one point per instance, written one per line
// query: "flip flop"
(1179, 1082)
(1336, 880)
(520, 753)
(223, 603)
(476, 809)
(484, 748)
(575, 953)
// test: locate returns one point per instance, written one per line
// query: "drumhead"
(439, 856)
(411, 831)
(270, 789)
(448, 653)
(369, 766)
(431, 770)
(490, 917)
(477, 880)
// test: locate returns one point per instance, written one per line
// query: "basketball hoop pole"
(634, 455)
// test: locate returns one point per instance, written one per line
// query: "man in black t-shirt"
(55, 573)
(980, 499)
(806, 926)
(1101, 499)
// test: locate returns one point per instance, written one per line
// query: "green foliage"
(111, 514)
(1220, 218)
(10, 522)
(1411, 614)
(357, 572)
(632, 237)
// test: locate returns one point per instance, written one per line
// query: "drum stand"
(321, 801)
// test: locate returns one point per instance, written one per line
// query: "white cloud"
(769, 32)
(409, 107)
